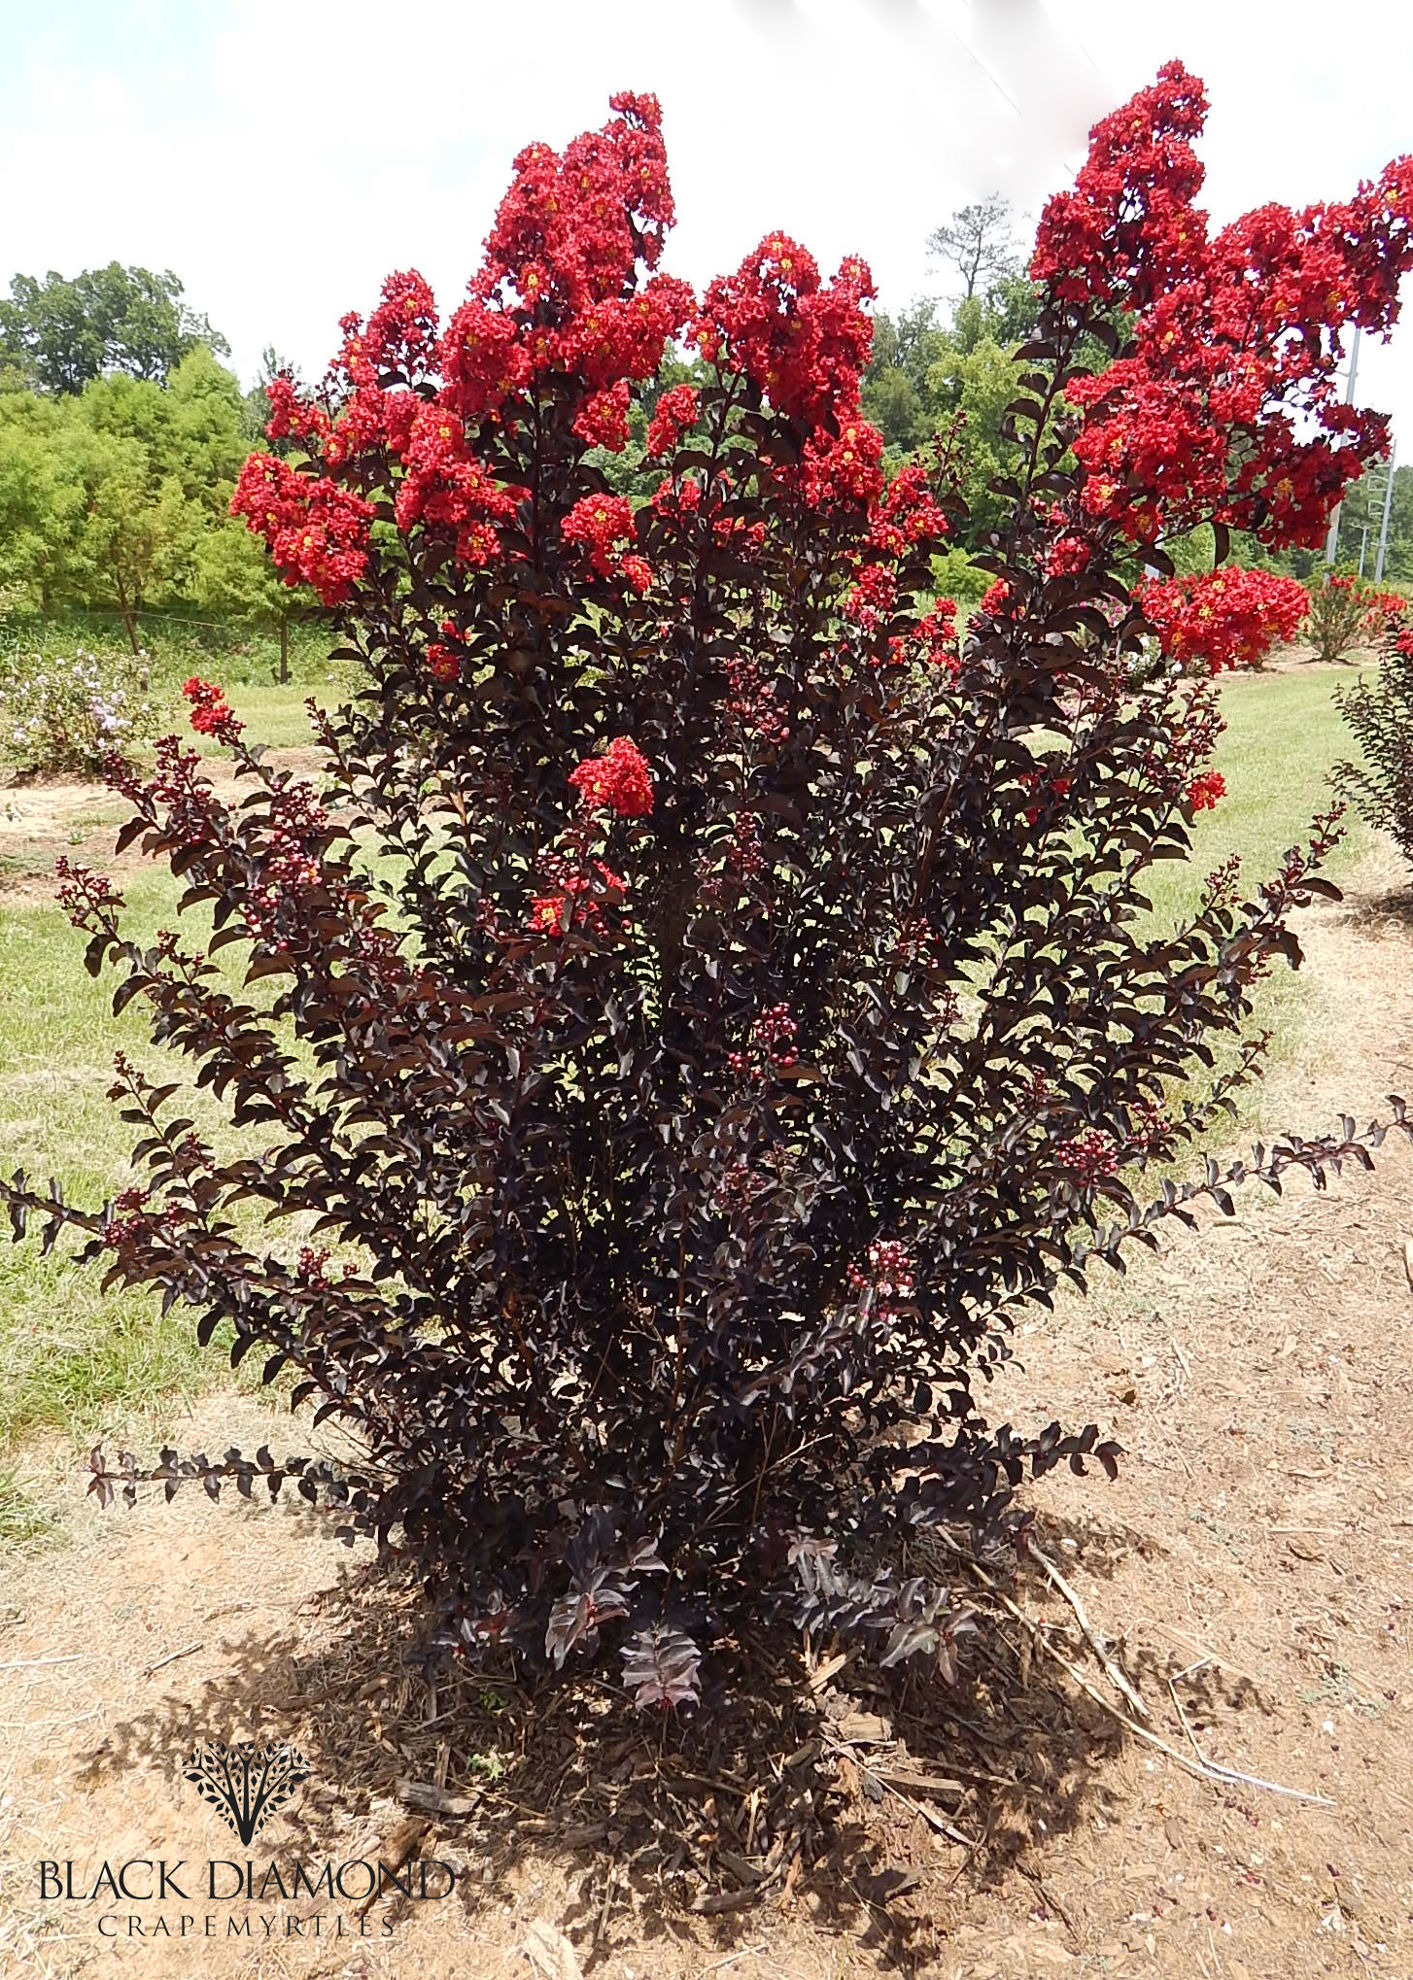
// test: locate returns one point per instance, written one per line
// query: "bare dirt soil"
(44, 817)
(1251, 1567)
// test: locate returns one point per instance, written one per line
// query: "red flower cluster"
(551, 914)
(1048, 790)
(573, 226)
(602, 525)
(602, 420)
(1204, 792)
(935, 635)
(446, 484)
(211, 713)
(442, 663)
(619, 779)
(801, 343)
(567, 239)
(907, 514)
(483, 359)
(1068, 556)
(846, 468)
(559, 290)
(1224, 618)
(1227, 407)
(674, 415)
(874, 595)
(1127, 226)
(316, 532)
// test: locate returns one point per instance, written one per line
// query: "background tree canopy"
(121, 437)
(59, 335)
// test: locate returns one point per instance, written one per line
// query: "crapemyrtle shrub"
(1378, 712)
(1212, 621)
(722, 983)
(1348, 616)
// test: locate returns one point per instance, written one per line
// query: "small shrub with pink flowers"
(67, 711)
(720, 973)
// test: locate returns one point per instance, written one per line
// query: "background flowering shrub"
(1378, 711)
(1210, 621)
(1347, 615)
(66, 712)
(767, 1015)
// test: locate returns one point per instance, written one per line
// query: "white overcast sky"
(282, 158)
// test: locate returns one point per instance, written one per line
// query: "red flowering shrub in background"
(1346, 614)
(765, 1018)
(1213, 620)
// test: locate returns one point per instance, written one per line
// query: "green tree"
(920, 375)
(894, 391)
(106, 498)
(234, 579)
(209, 437)
(41, 498)
(60, 334)
(979, 243)
(976, 377)
(134, 538)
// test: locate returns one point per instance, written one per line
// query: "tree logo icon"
(246, 1783)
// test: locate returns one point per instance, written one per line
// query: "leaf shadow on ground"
(877, 1798)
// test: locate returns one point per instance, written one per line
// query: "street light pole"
(1332, 540)
(1383, 526)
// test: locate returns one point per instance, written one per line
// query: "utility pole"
(1383, 526)
(1332, 540)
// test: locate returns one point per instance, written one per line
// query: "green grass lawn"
(1283, 737)
(72, 1359)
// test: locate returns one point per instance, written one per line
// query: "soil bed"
(1251, 1563)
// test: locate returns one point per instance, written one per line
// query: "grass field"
(71, 1358)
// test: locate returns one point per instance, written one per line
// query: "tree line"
(122, 433)
(121, 437)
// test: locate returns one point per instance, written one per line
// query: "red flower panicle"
(802, 343)
(619, 779)
(578, 900)
(601, 525)
(316, 532)
(211, 713)
(1204, 792)
(602, 420)
(1227, 406)
(674, 415)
